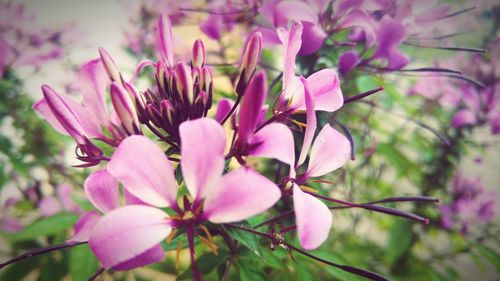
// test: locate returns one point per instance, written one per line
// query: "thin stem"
(461, 49)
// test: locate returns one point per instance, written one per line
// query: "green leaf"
(399, 241)
(206, 263)
(249, 240)
(18, 270)
(46, 226)
(489, 254)
(250, 272)
(82, 263)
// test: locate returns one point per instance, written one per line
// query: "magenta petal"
(212, 26)
(330, 151)
(93, 82)
(495, 124)
(128, 232)
(240, 194)
(251, 106)
(84, 226)
(311, 123)
(314, 35)
(325, 89)
(462, 118)
(202, 151)
(101, 189)
(223, 108)
(152, 255)
(274, 141)
(313, 219)
(348, 61)
(144, 171)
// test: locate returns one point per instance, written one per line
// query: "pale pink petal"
(130, 199)
(311, 123)
(64, 193)
(152, 255)
(144, 171)
(240, 194)
(102, 191)
(84, 226)
(313, 219)
(319, 6)
(292, 43)
(294, 11)
(274, 141)
(330, 151)
(49, 206)
(128, 232)
(93, 82)
(325, 89)
(202, 151)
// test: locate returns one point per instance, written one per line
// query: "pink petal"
(128, 232)
(152, 255)
(202, 151)
(144, 171)
(311, 123)
(84, 226)
(325, 89)
(313, 219)
(240, 194)
(330, 151)
(93, 82)
(64, 192)
(212, 27)
(130, 199)
(274, 141)
(102, 191)
(294, 11)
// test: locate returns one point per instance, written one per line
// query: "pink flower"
(145, 172)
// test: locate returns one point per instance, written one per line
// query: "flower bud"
(249, 61)
(110, 65)
(138, 101)
(165, 40)
(167, 110)
(124, 107)
(64, 114)
(251, 106)
(198, 54)
(184, 81)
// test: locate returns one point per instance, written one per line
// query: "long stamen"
(96, 274)
(40, 251)
(363, 95)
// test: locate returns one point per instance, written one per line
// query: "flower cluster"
(184, 183)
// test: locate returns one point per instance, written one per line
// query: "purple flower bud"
(124, 107)
(184, 81)
(198, 54)
(64, 114)
(109, 65)
(139, 102)
(251, 106)
(249, 61)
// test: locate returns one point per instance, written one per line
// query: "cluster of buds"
(182, 92)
